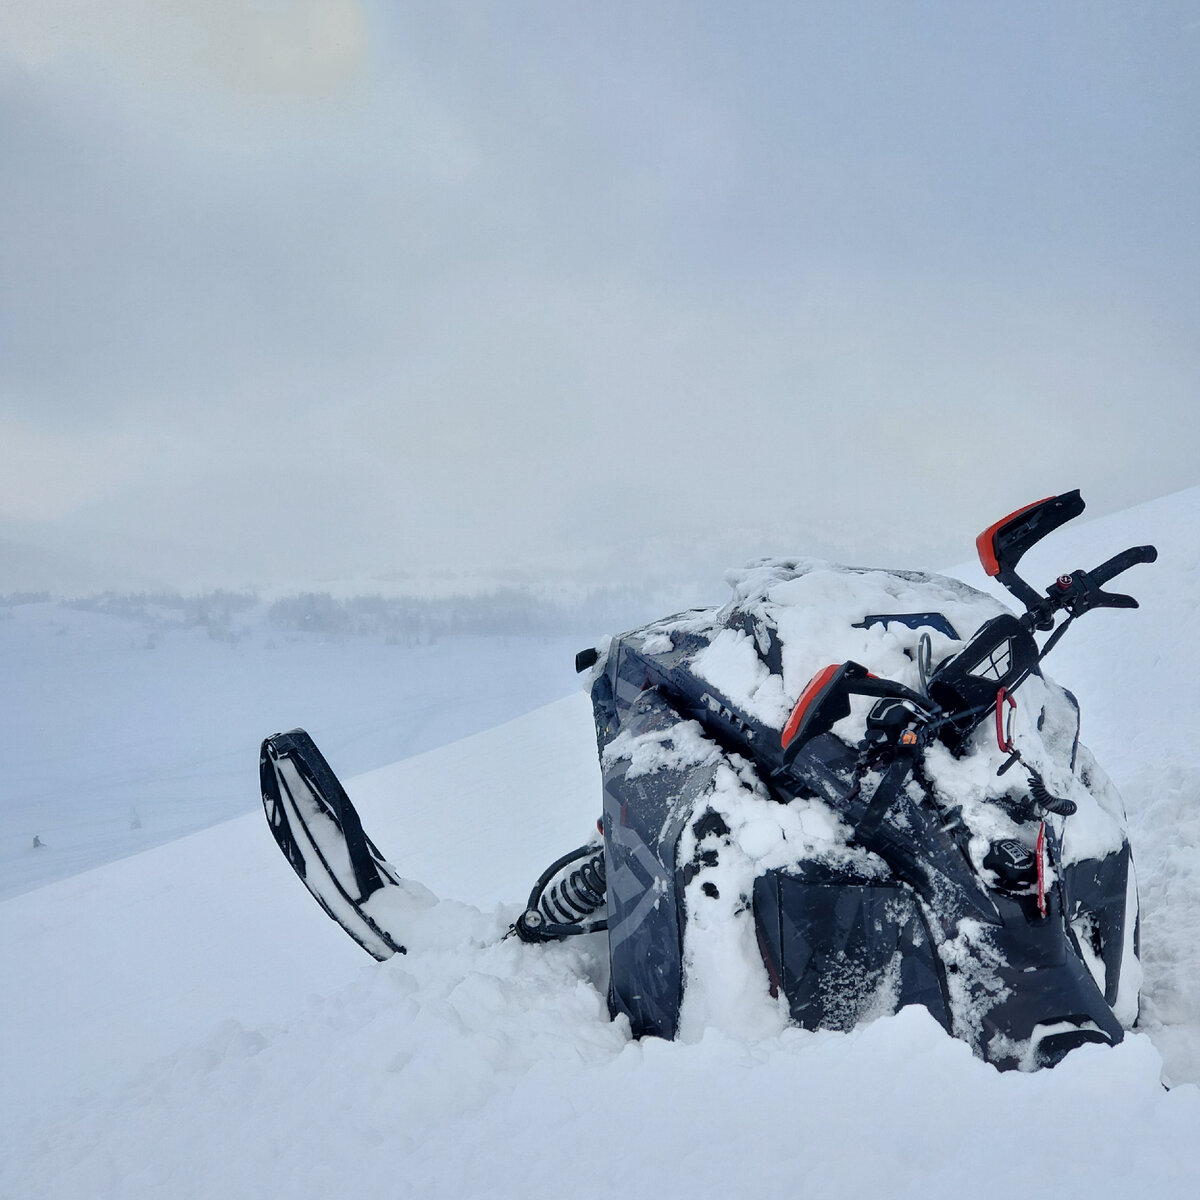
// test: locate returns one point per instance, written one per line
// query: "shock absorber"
(566, 898)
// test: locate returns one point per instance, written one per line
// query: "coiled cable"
(1045, 800)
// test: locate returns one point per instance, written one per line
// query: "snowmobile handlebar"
(995, 662)
(1081, 591)
(1002, 545)
(1119, 563)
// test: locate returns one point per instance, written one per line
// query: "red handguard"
(985, 543)
(812, 690)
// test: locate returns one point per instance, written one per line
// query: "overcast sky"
(296, 290)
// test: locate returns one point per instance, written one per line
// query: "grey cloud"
(576, 275)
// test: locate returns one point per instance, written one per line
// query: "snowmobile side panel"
(1027, 983)
(632, 669)
(1096, 891)
(910, 837)
(845, 950)
(644, 813)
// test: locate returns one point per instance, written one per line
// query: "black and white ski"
(321, 836)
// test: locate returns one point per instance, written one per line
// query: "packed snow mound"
(185, 1023)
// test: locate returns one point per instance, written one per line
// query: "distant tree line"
(503, 612)
(210, 610)
(12, 599)
(408, 620)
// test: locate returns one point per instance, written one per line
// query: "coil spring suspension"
(564, 902)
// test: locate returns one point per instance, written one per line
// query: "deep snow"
(185, 1022)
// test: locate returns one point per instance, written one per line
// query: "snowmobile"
(896, 830)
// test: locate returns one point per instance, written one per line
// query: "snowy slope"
(186, 1022)
(121, 734)
(118, 964)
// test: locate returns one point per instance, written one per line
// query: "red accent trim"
(812, 690)
(1041, 868)
(985, 543)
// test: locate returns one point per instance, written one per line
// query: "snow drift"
(184, 1023)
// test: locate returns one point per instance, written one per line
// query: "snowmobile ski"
(321, 836)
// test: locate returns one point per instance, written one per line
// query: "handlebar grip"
(1122, 562)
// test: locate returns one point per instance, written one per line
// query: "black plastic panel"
(843, 951)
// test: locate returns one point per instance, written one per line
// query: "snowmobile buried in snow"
(896, 830)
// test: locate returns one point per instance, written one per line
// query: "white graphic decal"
(996, 665)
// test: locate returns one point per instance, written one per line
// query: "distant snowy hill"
(124, 730)
(129, 717)
(186, 1023)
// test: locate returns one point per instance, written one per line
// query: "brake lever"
(1101, 599)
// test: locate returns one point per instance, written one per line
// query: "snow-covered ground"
(125, 732)
(185, 1022)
